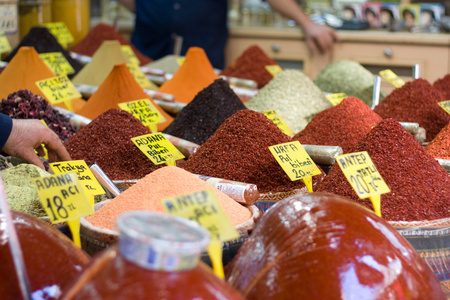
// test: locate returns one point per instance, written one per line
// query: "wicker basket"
(94, 239)
(431, 239)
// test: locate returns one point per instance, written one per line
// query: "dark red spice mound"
(205, 113)
(443, 84)
(103, 32)
(420, 187)
(24, 105)
(341, 125)
(439, 147)
(416, 101)
(44, 42)
(238, 150)
(107, 141)
(251, 65)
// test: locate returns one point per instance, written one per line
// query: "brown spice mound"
(420, 187)
(101, 33)
(251, 65)
(443, 85)
(238, 150)
(341, 125)
(439, 147)
(416, 101)
(107, 141)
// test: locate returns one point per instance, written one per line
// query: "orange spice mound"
(119, 86)
(439, 147)
(163, 183)
(101, 33)
(195, 74)
(22, 72)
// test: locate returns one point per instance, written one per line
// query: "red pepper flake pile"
(416, 101)
(251, 65)
(420, 187)
(107, 141)
(238, 150)
(443, 84)
(439, 147)
(101, 33)
(341, 125)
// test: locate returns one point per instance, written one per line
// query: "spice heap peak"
(195, 74)
(420, 187)
(294, 96)
(341, 125)
(203, 115)
(238, 150)
(416, 101)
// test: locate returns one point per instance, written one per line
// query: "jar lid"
(160, 241)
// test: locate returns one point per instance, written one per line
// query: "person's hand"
(320, 38)
(28, 135)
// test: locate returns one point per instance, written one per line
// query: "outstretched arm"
(320, 38)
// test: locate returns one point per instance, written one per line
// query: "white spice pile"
(294, 96)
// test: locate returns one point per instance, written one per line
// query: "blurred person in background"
(203, 23)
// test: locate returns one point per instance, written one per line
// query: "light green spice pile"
(20, 192)
(294, 96)
(168, 63)
(346, 76)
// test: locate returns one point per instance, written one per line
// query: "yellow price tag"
(445, 105)
(85, 176)
(363, 176)
(392, 78)
(204, 208)
(337, 98)
(273, 116)
(144, 110)
(139, 76)
(60, 31)
(157, 148)
(180, 60)
(129, 53)
(64, 200)
(295, 161)
(5, 46)
(58, 89)
(273, 69)
(57, 62)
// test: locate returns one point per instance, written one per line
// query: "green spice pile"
(19, 188)
(345, 76)
(168, 63)
(294, 96)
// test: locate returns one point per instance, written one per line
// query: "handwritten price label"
(337, 98)
(445, 105)
(274, 70)
(62, 197)
(85, 175)
(144, 110)
(60, 31)
(296, 162)
(157, 148)
(204, 208)
(363, 176)
(5, 46)
(57, 62)
(58, 89)
(278, 120)
(392, 78)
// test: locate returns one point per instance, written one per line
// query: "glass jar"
(157, 258)
(75, 14)
(33, 13)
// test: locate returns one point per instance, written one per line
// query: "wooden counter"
(376, 50)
